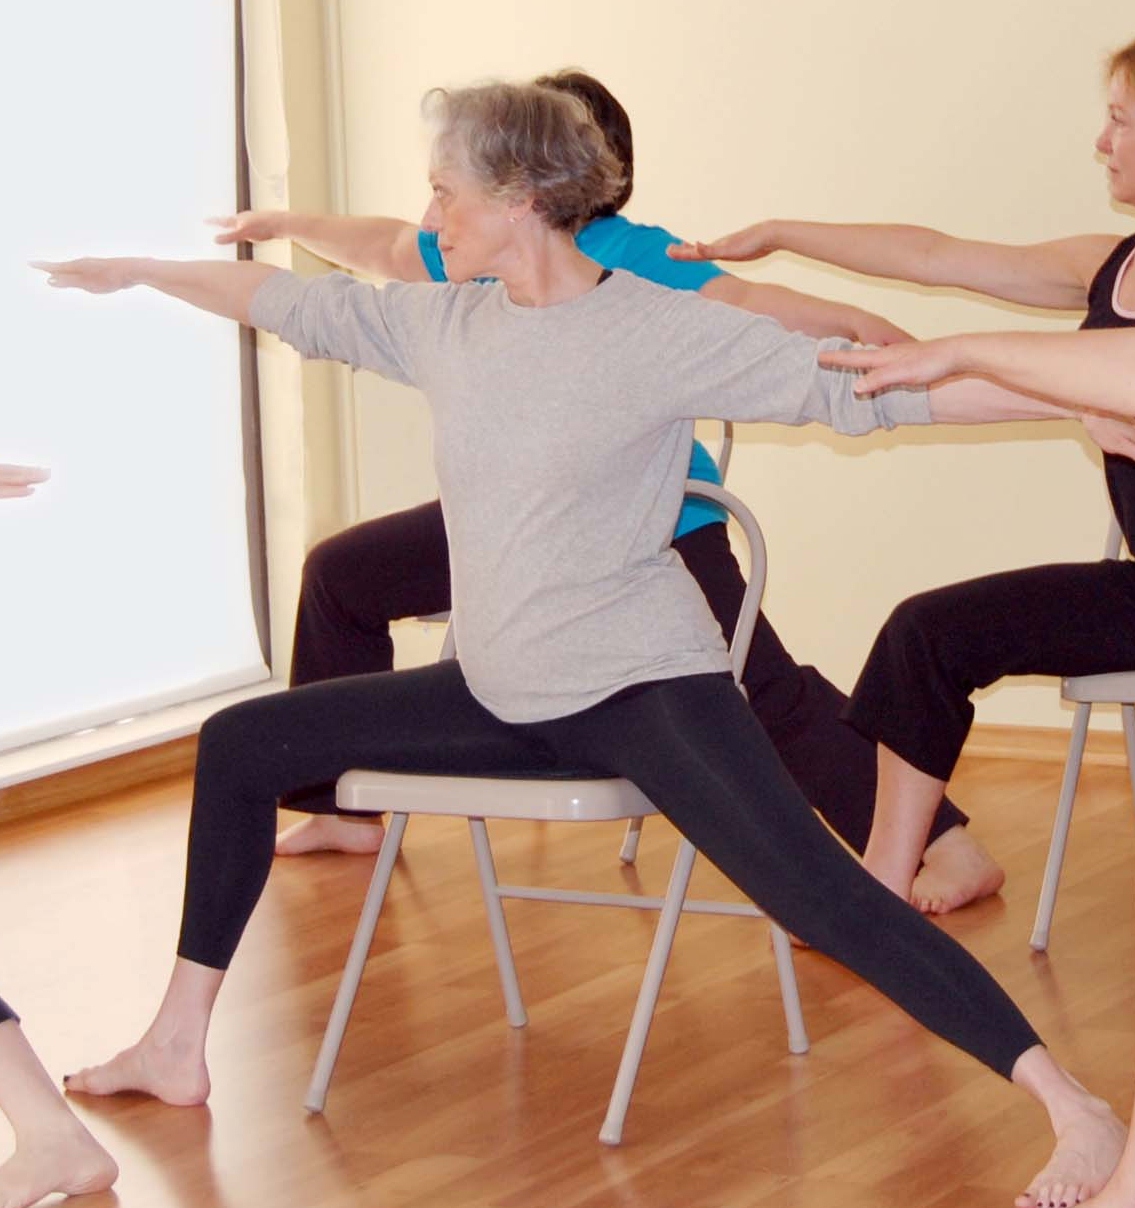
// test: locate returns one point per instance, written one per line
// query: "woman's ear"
(520, 208)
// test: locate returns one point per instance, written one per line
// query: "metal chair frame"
(1086, 690)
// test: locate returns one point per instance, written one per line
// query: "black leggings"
(691, 744)
(938, 647)
(7, 1013)
(357, 582)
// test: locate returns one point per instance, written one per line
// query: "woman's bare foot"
(175, 1074)
(956, 870)
(65, 1159)
(1087, 1150)
(330, 832)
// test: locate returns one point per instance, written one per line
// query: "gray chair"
(1116, 688)
(545, 799)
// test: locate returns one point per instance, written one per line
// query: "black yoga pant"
(691, 744)
(7, 1013)
(357, 582)
(938, 647)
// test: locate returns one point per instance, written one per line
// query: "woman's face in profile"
(1117, 139)
(473, 227)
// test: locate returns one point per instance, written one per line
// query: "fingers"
(91, 274)
(876, 369)
(228, 224)
(56, 270)
(248, 226)
(59, 276)
(1113, 436)
(18, 481)
(850, 358)
(686, 251)
(721, 249)
(748, 244)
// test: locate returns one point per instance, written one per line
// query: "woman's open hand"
(249, 226)
(94, 276)
(749, 244)
(914, 363)
(17, 481)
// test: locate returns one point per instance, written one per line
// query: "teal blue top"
(615, 242)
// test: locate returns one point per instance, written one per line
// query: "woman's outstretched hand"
(249, 226)
(94, 276)
(914, 363)
(17, 481)
(1112, 435)
(749, 244)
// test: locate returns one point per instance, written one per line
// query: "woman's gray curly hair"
(525, 140)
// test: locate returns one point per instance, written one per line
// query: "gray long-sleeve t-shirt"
(562, 440)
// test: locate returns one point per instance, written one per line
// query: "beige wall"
(979, 122)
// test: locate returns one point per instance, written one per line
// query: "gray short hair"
(524, 139)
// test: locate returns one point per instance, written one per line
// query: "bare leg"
(1089, 1137)
(169, 1061)
(54, 1152)
(956, 870)
(330, 832)
(905, 802)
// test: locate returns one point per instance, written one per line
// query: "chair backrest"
(758, 568)
(755, 582)
(724, 448)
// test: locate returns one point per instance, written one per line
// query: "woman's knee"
(920, 626)
(328, 567)
(229, 741)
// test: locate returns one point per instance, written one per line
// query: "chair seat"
(554, 797)
(1114, 687)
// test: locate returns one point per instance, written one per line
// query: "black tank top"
(1120, 471)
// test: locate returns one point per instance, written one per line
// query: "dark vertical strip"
(250, 393)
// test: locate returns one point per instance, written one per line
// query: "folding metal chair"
(544, 799)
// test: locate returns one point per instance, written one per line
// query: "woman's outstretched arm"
(223, 287)
(1055, 274)
(1078, 369)
(380, 247)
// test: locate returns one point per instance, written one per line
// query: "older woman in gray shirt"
(564, 399)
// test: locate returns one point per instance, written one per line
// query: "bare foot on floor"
(956, 870)
(67, 1159)
(330, 832)
(1087, 1151)
(175, 1075)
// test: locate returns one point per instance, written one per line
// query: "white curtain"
(125, 583)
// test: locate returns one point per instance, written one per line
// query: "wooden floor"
(438, 1102)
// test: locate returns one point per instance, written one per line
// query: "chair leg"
(789, 990)
(498, 928)
(356, 961)
(612, 1131)
(629, 851)
(1128, 714)
(1063, 820)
